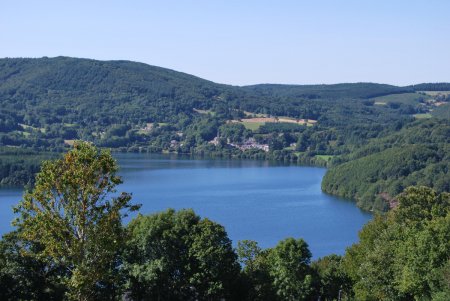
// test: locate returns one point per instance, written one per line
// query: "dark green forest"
(419, 154)
(70, 244)
(48, 103)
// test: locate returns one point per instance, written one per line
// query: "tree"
(72, 214)
(333, 279)
(405, 254)
(178, 256)
(26, 277)
(248, 251)
(256, 271)
(290, 269)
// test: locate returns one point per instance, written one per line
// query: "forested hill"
(92, 76)
(147, 92)
(349, 90)
(376, 173)
(118, 103)
(72, 87)
(47, 103)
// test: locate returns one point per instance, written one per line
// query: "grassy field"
(205, 112)
(290, 148)
(434, 93)
(324, 157)
(25, 134)
(25, 127)
(422, 116)
(69, 142)
(406, 98)
(255, 122)
(254, 126)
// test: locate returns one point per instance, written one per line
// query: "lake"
(256, 200)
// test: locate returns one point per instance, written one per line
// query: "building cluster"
(247, 144)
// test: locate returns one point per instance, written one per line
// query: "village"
(247, 144)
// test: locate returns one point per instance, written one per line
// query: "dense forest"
(419, 154)
(70, 244)
(18, 166)
(48, 103)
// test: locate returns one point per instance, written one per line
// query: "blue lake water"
(254, 200)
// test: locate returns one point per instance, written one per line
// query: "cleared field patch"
(254, 126)
(204, 112)
(422, 116)
(22, 133)
(406, 98)
(308, 122)
(69, 142)
(280, 119)
(325, 157)
(434, 93)
(290, 148)
(29, 127)
(256, 122)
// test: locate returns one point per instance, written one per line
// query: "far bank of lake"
(256, 200)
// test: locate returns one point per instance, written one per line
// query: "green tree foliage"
(46, 103)
(374, 174)
(18, 166)
(290, 270)
(234, 132)
(280, 273)
(179, 256)
(27, 277)
(431, 87)
(405, 254)
(73, 216)
(281, 127)
(47, 100)
(256, 271)
(333, 281)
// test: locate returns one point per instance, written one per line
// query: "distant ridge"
(46, 64)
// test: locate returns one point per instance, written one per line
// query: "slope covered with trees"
(374, 174)
(18, 166)
(48, 103)
(126, 104)
(404, 255)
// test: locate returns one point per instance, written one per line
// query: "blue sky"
(243, 42)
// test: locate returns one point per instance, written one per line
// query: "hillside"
(69, 98)
(47, 103)
(64, 90)
(348, 90)
(373, 175)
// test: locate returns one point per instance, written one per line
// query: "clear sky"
(243, 42)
